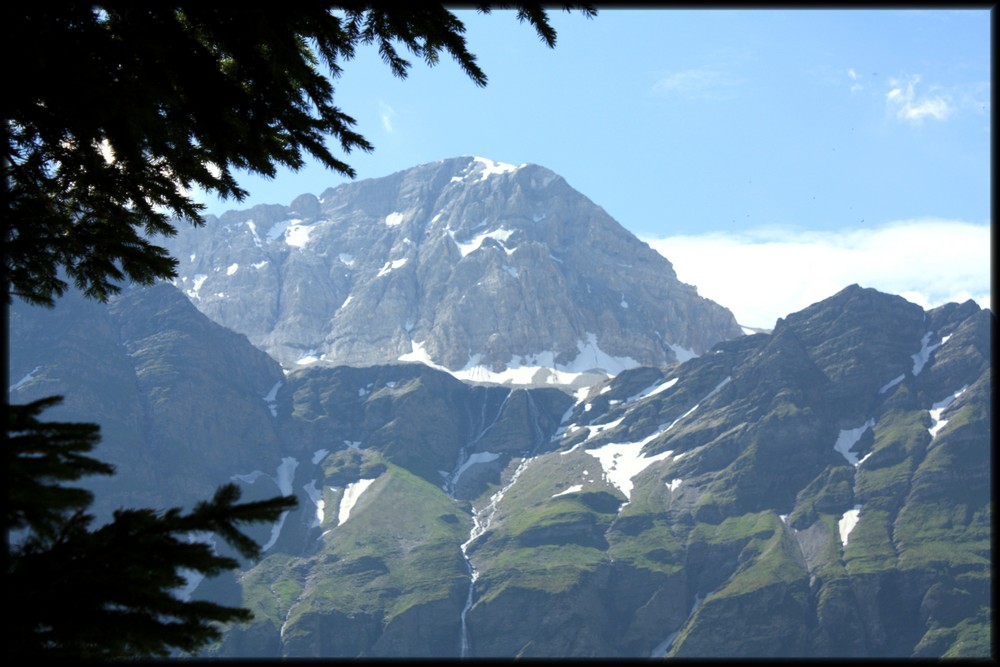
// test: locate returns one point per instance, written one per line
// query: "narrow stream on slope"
(481, 520)
(465, 460)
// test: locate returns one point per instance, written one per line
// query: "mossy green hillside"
(398, 549)
(552, 568)
(901, 439)
(541, 537)
(869, 546)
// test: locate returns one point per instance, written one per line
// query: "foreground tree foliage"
(115, 111)
(112, 113)
(108, 592)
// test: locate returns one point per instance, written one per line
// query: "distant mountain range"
(822, 490)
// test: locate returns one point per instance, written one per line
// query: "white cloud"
(855, 87)
(903, 101)
(764, 274)
(386, 113)
(698, 82)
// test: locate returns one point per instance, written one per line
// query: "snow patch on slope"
(892, 383)
(294, 233)
(253, 231)
(308, 358)
(921, 357)
(848, 438)
(492, 168)
(696, 405)
(623, 461)
(316, 496)
(271, 397)
(501, 235)
(478, 457)
(389, 267)
(573, 489)
(683, 353)
(350, 498)
(940, 407)
(283, 478)
(848, 522)
(199, 280)
(535, 368)
(653, 390)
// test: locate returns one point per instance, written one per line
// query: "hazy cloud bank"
(763, 274)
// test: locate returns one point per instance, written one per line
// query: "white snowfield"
(921, 358)
(892, 383)
(284, 477)
(478, 457)
(473, 244)
(316, 497)
(493, 168)
(848, 522)
(489, 168)
(652, 391)
(271, 397)
(848, 438)
(683, 353)
(309, 358)
(199, 280)
(526, 369)
(940, 407)
(623, 461)
(573, 489)
(253, 231)
(350, 498)
(390, 266)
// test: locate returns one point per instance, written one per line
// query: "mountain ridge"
(494, 272)
(820, 491)
(513, 432)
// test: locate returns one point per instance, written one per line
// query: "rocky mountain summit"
(819, 491)
(486, 270)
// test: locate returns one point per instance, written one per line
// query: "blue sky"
(774, 156)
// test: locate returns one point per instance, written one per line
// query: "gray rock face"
(487, 270)
(181, 401)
